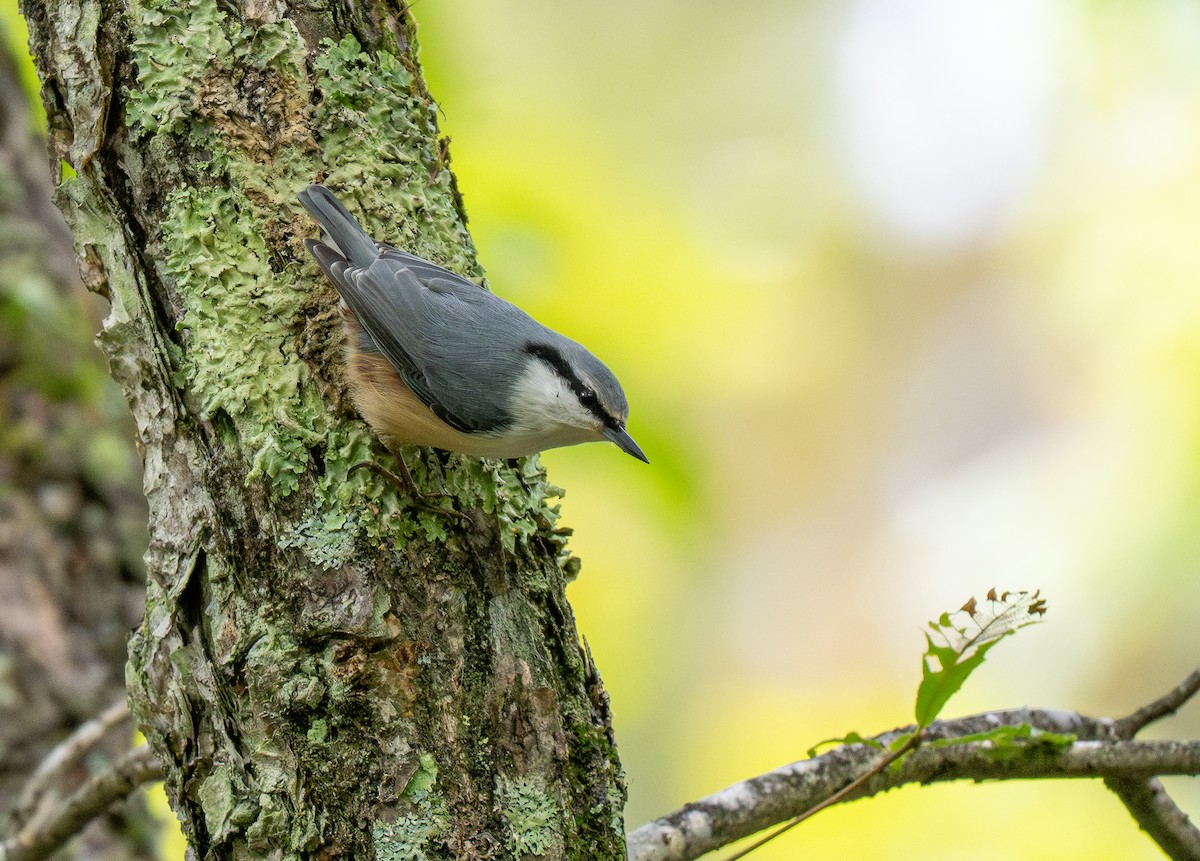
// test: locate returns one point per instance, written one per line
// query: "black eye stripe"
(586, 395)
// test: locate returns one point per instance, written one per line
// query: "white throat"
(546, 411)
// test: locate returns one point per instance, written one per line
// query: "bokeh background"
(905, 295)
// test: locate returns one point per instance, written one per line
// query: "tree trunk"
(323, 671)
(72, 518)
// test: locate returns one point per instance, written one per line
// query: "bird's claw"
(402, 480)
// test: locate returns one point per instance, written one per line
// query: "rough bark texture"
(72, 518)
(324, 673)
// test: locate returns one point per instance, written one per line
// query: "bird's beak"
(625, 442)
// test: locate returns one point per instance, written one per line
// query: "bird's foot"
(402, 480)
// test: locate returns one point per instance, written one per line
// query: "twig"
(85, 736)
(1158, 815)
(33, 843)
(1168, 704)
(837, 797)
(768, 799)
(1147, 800)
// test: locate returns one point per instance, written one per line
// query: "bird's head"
(564, 386)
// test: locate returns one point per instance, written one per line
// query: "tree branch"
(842, 794)
(1168, 704)
(1147, 800)
(85, 736)
(760, 802)
(40, 839)
(1158, 815)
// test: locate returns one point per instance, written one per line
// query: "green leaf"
(958, 642)
(938, 685)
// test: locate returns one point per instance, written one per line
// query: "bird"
(434, 359)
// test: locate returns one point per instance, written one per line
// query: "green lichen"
(375, 125)
(419, 785)
(172, 54)
(222, 271)
(318, 732)
(239, 358)
(188, 52)
(325, 537)
(518, 496)
(615, 798)
(529, 815)
(217, 800)
(407, 837)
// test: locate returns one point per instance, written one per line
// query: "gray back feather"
(457, 346)
(451, 340)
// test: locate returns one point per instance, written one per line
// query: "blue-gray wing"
(452, 342)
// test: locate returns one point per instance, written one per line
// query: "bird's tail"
(342, 227)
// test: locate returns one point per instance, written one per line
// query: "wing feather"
(448, 338)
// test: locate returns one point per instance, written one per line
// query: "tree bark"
(72, 518)
(324, 672)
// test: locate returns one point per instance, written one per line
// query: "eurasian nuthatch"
(434, 359)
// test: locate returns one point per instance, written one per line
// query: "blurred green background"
(905, 295)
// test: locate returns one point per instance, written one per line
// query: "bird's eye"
(587, 397)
